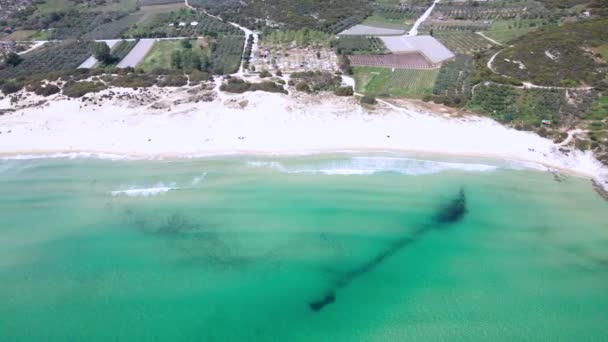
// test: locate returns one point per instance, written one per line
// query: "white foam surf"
(70, 155)
(373, 165)
(158, 189)
(198, 179)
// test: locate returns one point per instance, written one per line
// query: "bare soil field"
(295, 59)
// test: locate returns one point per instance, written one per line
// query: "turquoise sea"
(342, 247)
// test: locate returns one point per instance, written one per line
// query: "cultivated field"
(399, 83)
(49, 6)
(453, 84)
(359, 45)
(456, 25)
(180, 23)
(296, 38)
(159, 56)
(52, 57)
(505, 30)
(462, 42)
(412, 60)
(490, 10)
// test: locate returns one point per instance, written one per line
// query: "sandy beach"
(175, 122)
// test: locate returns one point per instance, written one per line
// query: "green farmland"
(399, 83)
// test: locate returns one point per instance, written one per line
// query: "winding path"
(530, 85)
(488, 38)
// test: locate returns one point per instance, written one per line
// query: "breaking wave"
(158, 189)
(70, 155)
(196, 180)
(373, 165)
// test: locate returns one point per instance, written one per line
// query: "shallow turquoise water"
(234, 249)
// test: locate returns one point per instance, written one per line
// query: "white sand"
(270, 123)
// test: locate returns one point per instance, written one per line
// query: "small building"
(8, 30)
(194, 23)
(181, 24)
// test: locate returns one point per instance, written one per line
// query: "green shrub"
(42, 89)
(172, 81)
(368, 100)
(11, 87)
(198, 76)
(13, 59)
(316, 80)
(79, 89)
(344, 91)
(560, 137)
(303, 86)
(238, 86)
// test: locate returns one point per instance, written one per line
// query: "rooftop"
(366, 30)
(428, 45)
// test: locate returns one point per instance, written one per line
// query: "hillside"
(567, 55)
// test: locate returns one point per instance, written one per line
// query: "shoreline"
(414, 154)
(175, 123)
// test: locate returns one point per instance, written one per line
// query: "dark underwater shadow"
(448, 213)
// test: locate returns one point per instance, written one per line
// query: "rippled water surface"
(324, 248)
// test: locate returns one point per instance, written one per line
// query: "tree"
(204, 63)
(186, 44)
(13, 59)
(101, 51)
(188, 60)
(176, 59)
(344, 65)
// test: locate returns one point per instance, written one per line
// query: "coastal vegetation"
(238, 86)
(316, 81)
(558, 55)
(527, 108)
(79, 89)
